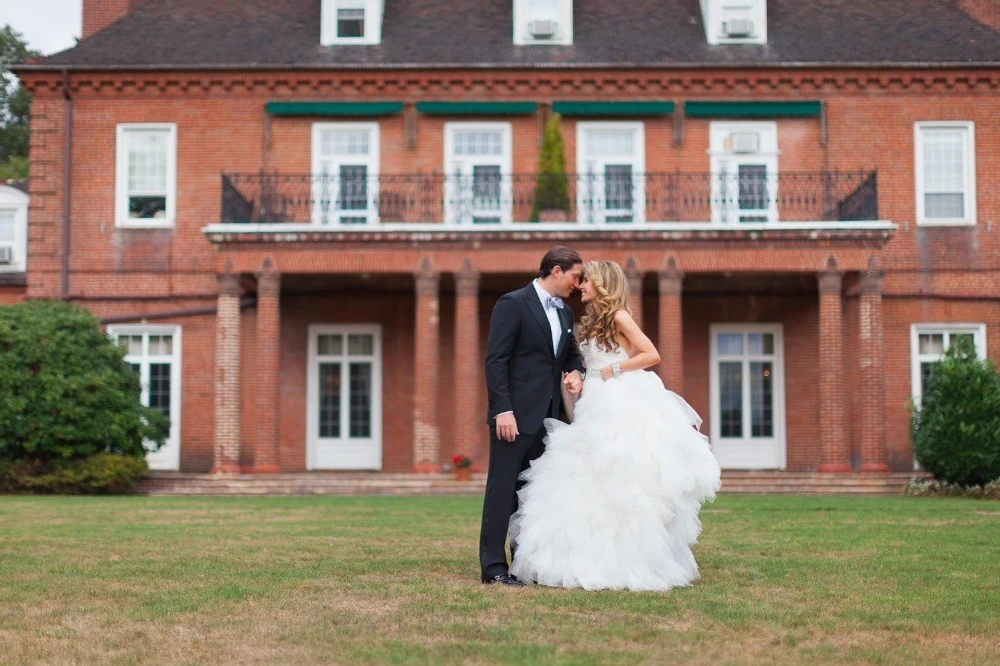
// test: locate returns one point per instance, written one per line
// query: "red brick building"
(298, 214)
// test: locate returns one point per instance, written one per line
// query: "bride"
(613, 502)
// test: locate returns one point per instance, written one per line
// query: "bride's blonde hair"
(611, 289)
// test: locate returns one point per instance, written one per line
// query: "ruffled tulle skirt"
(613, 502)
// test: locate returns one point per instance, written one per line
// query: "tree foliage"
(15, 105)
(956, 427)
(552, 187)
(65, 390)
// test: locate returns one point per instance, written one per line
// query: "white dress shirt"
(552, 313)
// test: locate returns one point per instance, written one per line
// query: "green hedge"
(99, 474)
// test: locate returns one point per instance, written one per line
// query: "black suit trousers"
(507, 461)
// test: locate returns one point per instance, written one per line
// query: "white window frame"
(169, 456)
(122, 218)
(724, 167)
(460, 169)
(976, 330)
(322, 188)
(779, 438)
(587, 184)
(523, 16)
(373, 22)
(715, 12)
(13, 200)
(358, 458)
(969, 145)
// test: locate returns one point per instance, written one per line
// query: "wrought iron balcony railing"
(485, 196)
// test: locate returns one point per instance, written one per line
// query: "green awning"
(334, 108)
(752, 109)
(613, 108)
(477, 108)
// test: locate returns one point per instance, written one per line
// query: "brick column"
(834, 447)
(671, 342)
(426, 369)
(268, 364)
(227, 377)
(468, 371)
(634, 275)
(872, 374)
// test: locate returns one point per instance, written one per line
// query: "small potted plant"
(551, 202)
(463, 466)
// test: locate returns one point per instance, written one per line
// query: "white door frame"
(168, 457)
(329, 185)
(724, 167)
(364, 454)
(590, 172)
(458, 174)
(777, 444)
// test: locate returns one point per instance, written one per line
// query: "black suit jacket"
(523, 374)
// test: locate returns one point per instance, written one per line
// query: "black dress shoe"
(503, 579)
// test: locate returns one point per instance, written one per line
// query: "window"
(735, 21)
(345, 173)
(13, 229)
(928, 344)
(945, 168)
(747, 389)
(351, 22)
(543, 22)
(611, 160)
(154, 353)
(146, 175)
(744, 167)
(345, 397)
(477, 173)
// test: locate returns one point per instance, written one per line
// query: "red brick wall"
(11, 295)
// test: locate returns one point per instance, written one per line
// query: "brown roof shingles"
(446, 33)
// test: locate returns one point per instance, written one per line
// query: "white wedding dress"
(613, 502)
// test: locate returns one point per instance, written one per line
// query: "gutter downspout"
(67, 170)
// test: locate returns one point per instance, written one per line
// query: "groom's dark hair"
(560, 256)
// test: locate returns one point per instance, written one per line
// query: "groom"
(529, 349)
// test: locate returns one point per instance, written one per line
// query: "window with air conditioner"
(543, 22)
(611, 164)
(13, 230)
(945, 169)
(735, 21)
(478, 188)
(345, 173)
(743, 160)
(351, 22)
(146, 175)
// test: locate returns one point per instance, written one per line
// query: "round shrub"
(66, 392)
(956, 428)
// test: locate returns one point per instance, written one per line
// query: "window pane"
(944, 170)
(761, 400)
(752, 185)
(360, 345)
(361, 399)
(147, 208)
(731, 399)
(147, 161)
(329, 400)
(618, 187)
(344, 143)
(350, 23)
(161, 345)
(610, 143)
(6, 225)
(931, 343)
(760, 344)
(944, 206)
(330, 345)
(730, 344)
(159, 387)
(967, 337)
(486, 186)
(353, 187)
(132, 344)
(925, 374)
(471, 143)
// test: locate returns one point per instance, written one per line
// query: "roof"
(186, 34)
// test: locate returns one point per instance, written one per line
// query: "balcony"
(485, 198)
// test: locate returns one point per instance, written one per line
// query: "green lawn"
(358, 580)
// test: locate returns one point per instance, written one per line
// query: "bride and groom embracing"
(611, 500)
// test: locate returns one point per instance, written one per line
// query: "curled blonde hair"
(611, 289)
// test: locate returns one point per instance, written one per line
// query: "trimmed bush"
(66, 392)
(552, 187)
(99, 474)
(956, 429)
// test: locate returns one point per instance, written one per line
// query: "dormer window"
(351, 22)
(543, 22)
(735, 21)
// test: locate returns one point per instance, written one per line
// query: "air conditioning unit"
(6, 255)
(737, 28)
(744, 142)
(543, 29)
